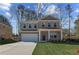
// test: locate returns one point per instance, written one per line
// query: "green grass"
(2, 42)
(56, 49)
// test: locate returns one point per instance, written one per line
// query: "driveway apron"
(19, 48)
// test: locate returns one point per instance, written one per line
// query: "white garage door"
(29, 37)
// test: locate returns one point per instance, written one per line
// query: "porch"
(48, 34)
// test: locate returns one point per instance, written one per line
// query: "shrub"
(6, 41)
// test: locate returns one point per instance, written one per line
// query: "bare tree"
(63, 21)
(39, 10)
(69, 11)
(20, 12)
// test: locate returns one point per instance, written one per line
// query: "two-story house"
(33, 29)
(46, 29)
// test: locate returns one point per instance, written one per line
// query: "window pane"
(24, 26)
(55, 36)
(29, 25)
(34, 26)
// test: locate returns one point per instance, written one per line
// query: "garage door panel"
(29, 37)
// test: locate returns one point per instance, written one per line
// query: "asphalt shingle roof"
(49, 17)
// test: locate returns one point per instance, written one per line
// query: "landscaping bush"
(66, 41)
(6, 41)
(72, 40)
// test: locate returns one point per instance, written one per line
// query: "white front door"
(29, 37)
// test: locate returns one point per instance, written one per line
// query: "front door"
(43, 38)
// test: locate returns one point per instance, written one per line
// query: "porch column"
(61, 35)
(39, 36)
(48, 35)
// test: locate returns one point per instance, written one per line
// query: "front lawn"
(6, 41)
(56, 49)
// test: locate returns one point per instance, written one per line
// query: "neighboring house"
(65, 33)
(5, 28)
(43, 29)
(77, 28)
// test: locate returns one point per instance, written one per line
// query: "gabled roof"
(49, 17)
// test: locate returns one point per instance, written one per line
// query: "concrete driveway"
(19, 48)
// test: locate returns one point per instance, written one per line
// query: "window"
(49, 25)
(24, 26)
(43, 25)
(51, 36)
(35, 26)
(55, 25)
(29, 25)
(4, 20)
(55, 36)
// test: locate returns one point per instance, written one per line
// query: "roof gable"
(49, 17)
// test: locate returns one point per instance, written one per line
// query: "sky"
(9, 11)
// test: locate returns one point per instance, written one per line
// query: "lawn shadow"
(66, 42)
(2, 42)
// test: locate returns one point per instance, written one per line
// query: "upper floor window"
(55, 25)
(43, 25)
(35, 26)
(24, 26)
(49, 25)
(4, 20)
(29, 25)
